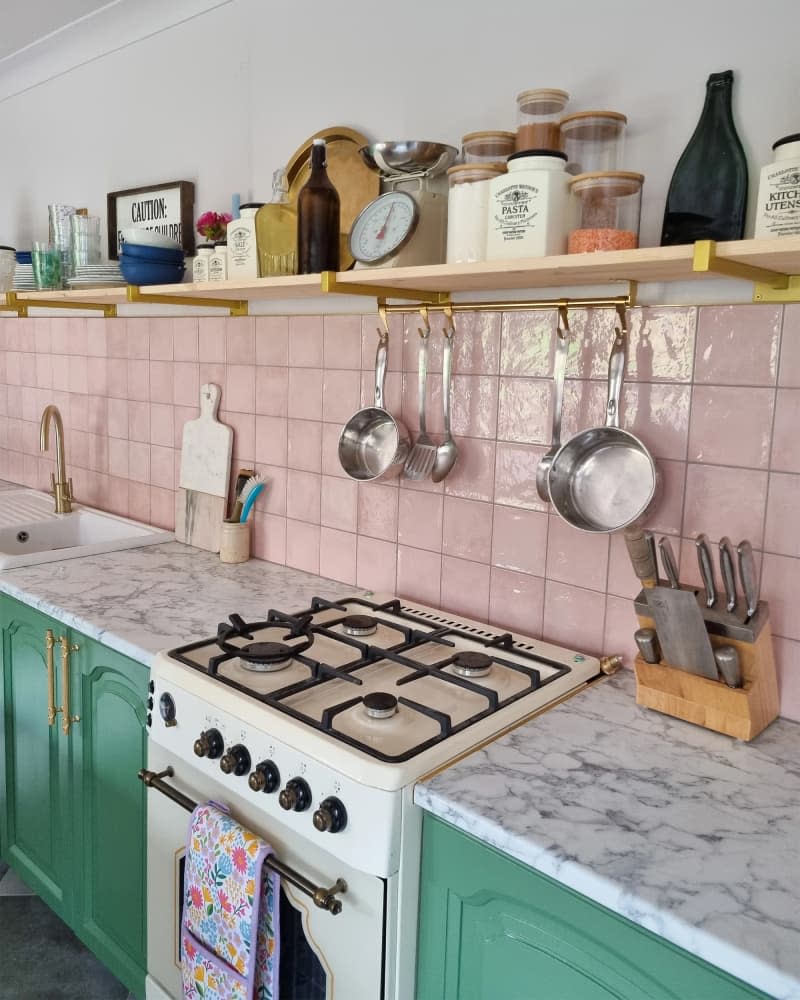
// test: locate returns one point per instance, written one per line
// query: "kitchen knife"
(706, 569)
(681, 631)
(668, 561)
(727, 659)
(647, 641)
(728, 572)
(642, 556)
(650, 538)
(748, 576)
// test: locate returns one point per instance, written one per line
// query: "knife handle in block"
(641, 556)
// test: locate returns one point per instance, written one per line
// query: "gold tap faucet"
(62, 487)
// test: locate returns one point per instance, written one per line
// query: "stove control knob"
(209, 744)
(296, 796)
(265, 778)
(331, 817)
(235, 760)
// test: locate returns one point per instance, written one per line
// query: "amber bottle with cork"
(318, 218)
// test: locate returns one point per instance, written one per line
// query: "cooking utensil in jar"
(681, 631)
(422, 455)
(668, 561)
(647, 641)
(748, 576)
(604, 478)
(373, 444)
(728, 572)
(706, 565)
(559, 374)
(730, 667)
(447, 451)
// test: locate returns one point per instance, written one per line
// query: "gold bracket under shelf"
(236, 307)
(21, 305)
(768, 286)
(330, 283)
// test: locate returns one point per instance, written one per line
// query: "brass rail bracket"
(235, 307)
(329, 284)
(21, 305)
(765, 292)
(768, 286)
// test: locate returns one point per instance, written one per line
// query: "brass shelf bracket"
(236, 307)
(330, 285)
(768, 286)
(21, 305)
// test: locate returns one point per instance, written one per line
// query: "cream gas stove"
(313, 727)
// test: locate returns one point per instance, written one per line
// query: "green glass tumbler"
(46, 260)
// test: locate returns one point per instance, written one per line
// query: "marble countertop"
(688, 833)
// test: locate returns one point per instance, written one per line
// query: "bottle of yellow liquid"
(276, 231)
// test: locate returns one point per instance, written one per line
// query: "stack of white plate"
(106, 275)
(23, 278)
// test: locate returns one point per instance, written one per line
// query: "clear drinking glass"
(85, 240)
(46, 260)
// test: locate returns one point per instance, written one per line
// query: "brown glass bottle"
(317, 218)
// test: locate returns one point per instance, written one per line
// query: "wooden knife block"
(740, 712)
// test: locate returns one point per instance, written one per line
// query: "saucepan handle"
(616, 371)
(381, 362)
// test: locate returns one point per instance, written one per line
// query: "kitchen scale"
(407, 224)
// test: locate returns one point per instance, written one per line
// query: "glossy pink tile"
(574, 617)
(369, 342)
(138, 462)
(186, 384)
(305, 445)
(467, 529)
(306, 343)
(186, 337)
(271, 440)
(787, 660)
(516, 601)
(44, 370)
(785, 450)
(621, 622)
(96, 375)
(162, 467)
(576, 557)
(305, 393)
(96, 338)
(473, 406)
(780, 585)
(433, 404)
(60, 372)
(519, 540)
(392, 392)
(419, 574)
(272, 340)
(240, 346)
(376, 565)
(723, 501)
(342, 342)
(139, 380)
(78, 410)
(137, 335)
(162, 426)
(139, 500)
(29, 368)
(465, 588)
(269, 538)
(789, 367)
(303, 495)
(658, 414)
(340, 395)
(591, 337)
(528, 343)
(337, 555)
(782, 529)
(661, 345)
(97, 416)
(116, 339)
(339, 503)
(210, 342)
(162, 341)
(738, 345)
(273, 498)
(42, 338)
(240, 389)
(118, 458)
(244, 436)
(330, 450)
(515, 475)
(420, 520)
(666, 513)
(138, 421)
(524, 410)
(302, 546)
(161, 382)
(473, 474)
(411, 344)
(272, 391)
(477, 344)
(731, 426)
(584, 406)
(377, 510)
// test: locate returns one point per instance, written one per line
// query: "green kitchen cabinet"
(75, 812)
(491, 928)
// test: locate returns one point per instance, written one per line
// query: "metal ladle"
(447, 451)
(559, 374)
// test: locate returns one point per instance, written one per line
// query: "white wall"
(226, 96)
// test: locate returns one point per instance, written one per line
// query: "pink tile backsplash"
(714, 392)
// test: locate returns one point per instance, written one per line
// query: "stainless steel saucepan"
(604, 478)
(373, 444)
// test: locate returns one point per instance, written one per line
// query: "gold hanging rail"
(524, 305)
(236, 307)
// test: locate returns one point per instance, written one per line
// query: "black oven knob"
(265, 778)
(296, 796)
(235, 760)
(209, 744)
(331, 817)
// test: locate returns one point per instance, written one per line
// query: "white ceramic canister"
(201, 260)
(218, 263)
(8, 265)
(528, 206)
(468, 210)
(778, 211)
(242, 246)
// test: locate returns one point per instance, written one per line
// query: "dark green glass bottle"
(707, 196)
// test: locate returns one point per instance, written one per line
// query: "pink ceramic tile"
(465, 588)
(474, 406)
(117, 378)
(269, 538)
(240, 389)
(666, 513)
(340, 395)
(782, 529)
(524, 410)
(42, 338)
(787, 660)
(210, 342)
(339, 503)
(272, 391)
(98, 452)
(392, 391)
(137, 333)
(473, 474)
(139, 500)
(305, 445)
(621, 623)
(420, 520)
(29, 369)
(272, 340)
(779, 586)
(305, 393)
(212, 371)
(271, 440)
(184, 413)
(97, 376)
(161, 340)
(433, 412)
(303, 496)
(162, 467)
(186, 384)
(528, 343)
(138, 462)
(240, 347)
(789, 368)
(139, 421)
(60, 337)
(44, 371)
(376, 565)
(342, 342)
(785, 450)
(118, 492)
(244, 436)
(419, 575)
(118, 458)
(116, 339)
(139, 380)
(377, 510)
(305, 342)
(302, 546)
(661, 345)
(519, 540)
(98, 414)
(516, 601)
(78, 411)
(162, 508)
(14, 396)
(738, 345)
(162, 427)
(330, 450)
(722, 501)
(14, 367)
(658, 414)
(96, 338)
(77, 448)
(60, 373)
(576, 557)
(584, 406)
(591, 336)
(574, 617)
(161, 378)
(273, 498)
(185, 338)
(30, 470)
(337, 555)
(467, 529)
(731, 426)
(515, 475)
(411, 344)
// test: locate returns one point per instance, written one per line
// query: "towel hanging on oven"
(229, 934)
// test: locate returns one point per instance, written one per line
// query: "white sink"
(31, 532)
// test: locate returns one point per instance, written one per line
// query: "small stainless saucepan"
(604, 478)
(373, 444)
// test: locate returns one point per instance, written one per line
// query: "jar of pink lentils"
(605, 211)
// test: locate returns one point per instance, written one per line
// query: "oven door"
(322, 956)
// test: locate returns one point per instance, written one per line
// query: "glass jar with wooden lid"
(468, 210)
(593, 141)
(606, 207)
(538, 118)
(488, 147)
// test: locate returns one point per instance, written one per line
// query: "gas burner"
(380, 705)
(359, 625)
(469, 664)
(265, 657)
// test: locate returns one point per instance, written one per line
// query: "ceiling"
(28, 22)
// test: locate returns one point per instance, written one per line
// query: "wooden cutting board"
(205, 472)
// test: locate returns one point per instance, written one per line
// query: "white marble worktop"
(688, 833)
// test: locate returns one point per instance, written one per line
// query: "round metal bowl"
(411, 156)
(373, 445)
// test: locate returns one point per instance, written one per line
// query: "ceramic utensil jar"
(528, 206)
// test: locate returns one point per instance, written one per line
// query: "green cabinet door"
(110, 825)
(492, 929)
(36, 778)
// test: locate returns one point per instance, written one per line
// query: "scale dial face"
(383, 227)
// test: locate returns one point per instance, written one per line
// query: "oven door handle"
(323, 898)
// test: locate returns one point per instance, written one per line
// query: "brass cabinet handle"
(49, 643)
(66, 649)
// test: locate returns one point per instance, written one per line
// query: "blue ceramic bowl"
(147, 272)
(160, 255)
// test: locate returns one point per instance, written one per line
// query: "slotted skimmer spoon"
(422, 456)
